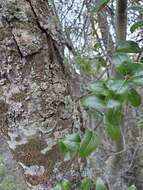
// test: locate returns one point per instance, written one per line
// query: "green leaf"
(66, 185)
(113, 131)
(138, 78)
(123, 64)
(97, 45)
(86, 184)
(118, 86)
(100, 184)
(88, 144)
(128, 47)
(112, 120)
(113, 104)
(85, 64)
(119, 58)
(127, 68)
(136, 26)
(63, 147)
(57, 187)
(98, 87)
(113, 116)
(88, 65)
(92, 102)
(70, 143)
(134, 98)
(99, 5)
(133, 187)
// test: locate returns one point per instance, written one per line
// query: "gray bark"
(121, 20)
(36, 108)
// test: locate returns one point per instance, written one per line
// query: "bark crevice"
(54, 45)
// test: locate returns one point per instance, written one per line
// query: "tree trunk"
(121, 20)
(118, 162)
(36, 107)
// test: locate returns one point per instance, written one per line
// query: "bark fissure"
(53, 43)
(18, 48)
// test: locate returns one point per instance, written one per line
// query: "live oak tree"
(36, 105)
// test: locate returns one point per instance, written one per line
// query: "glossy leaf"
(138, 78)
(136, 26)
(86, 184)
(134, 98)
(133, 187)
(92, 102)
(118, 86)
(128, 47)
(88, 144)
(100, 184)
(119, 58)
(66, 185)
(98, 87)
(113, 103)
(70, 143)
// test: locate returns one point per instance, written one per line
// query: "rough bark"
(36, 108)
(10, 176)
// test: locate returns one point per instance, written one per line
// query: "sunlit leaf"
(92, 102)
(86, 184)
(128, 47)
(100, 184)
(89, 143)
(113, 103)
